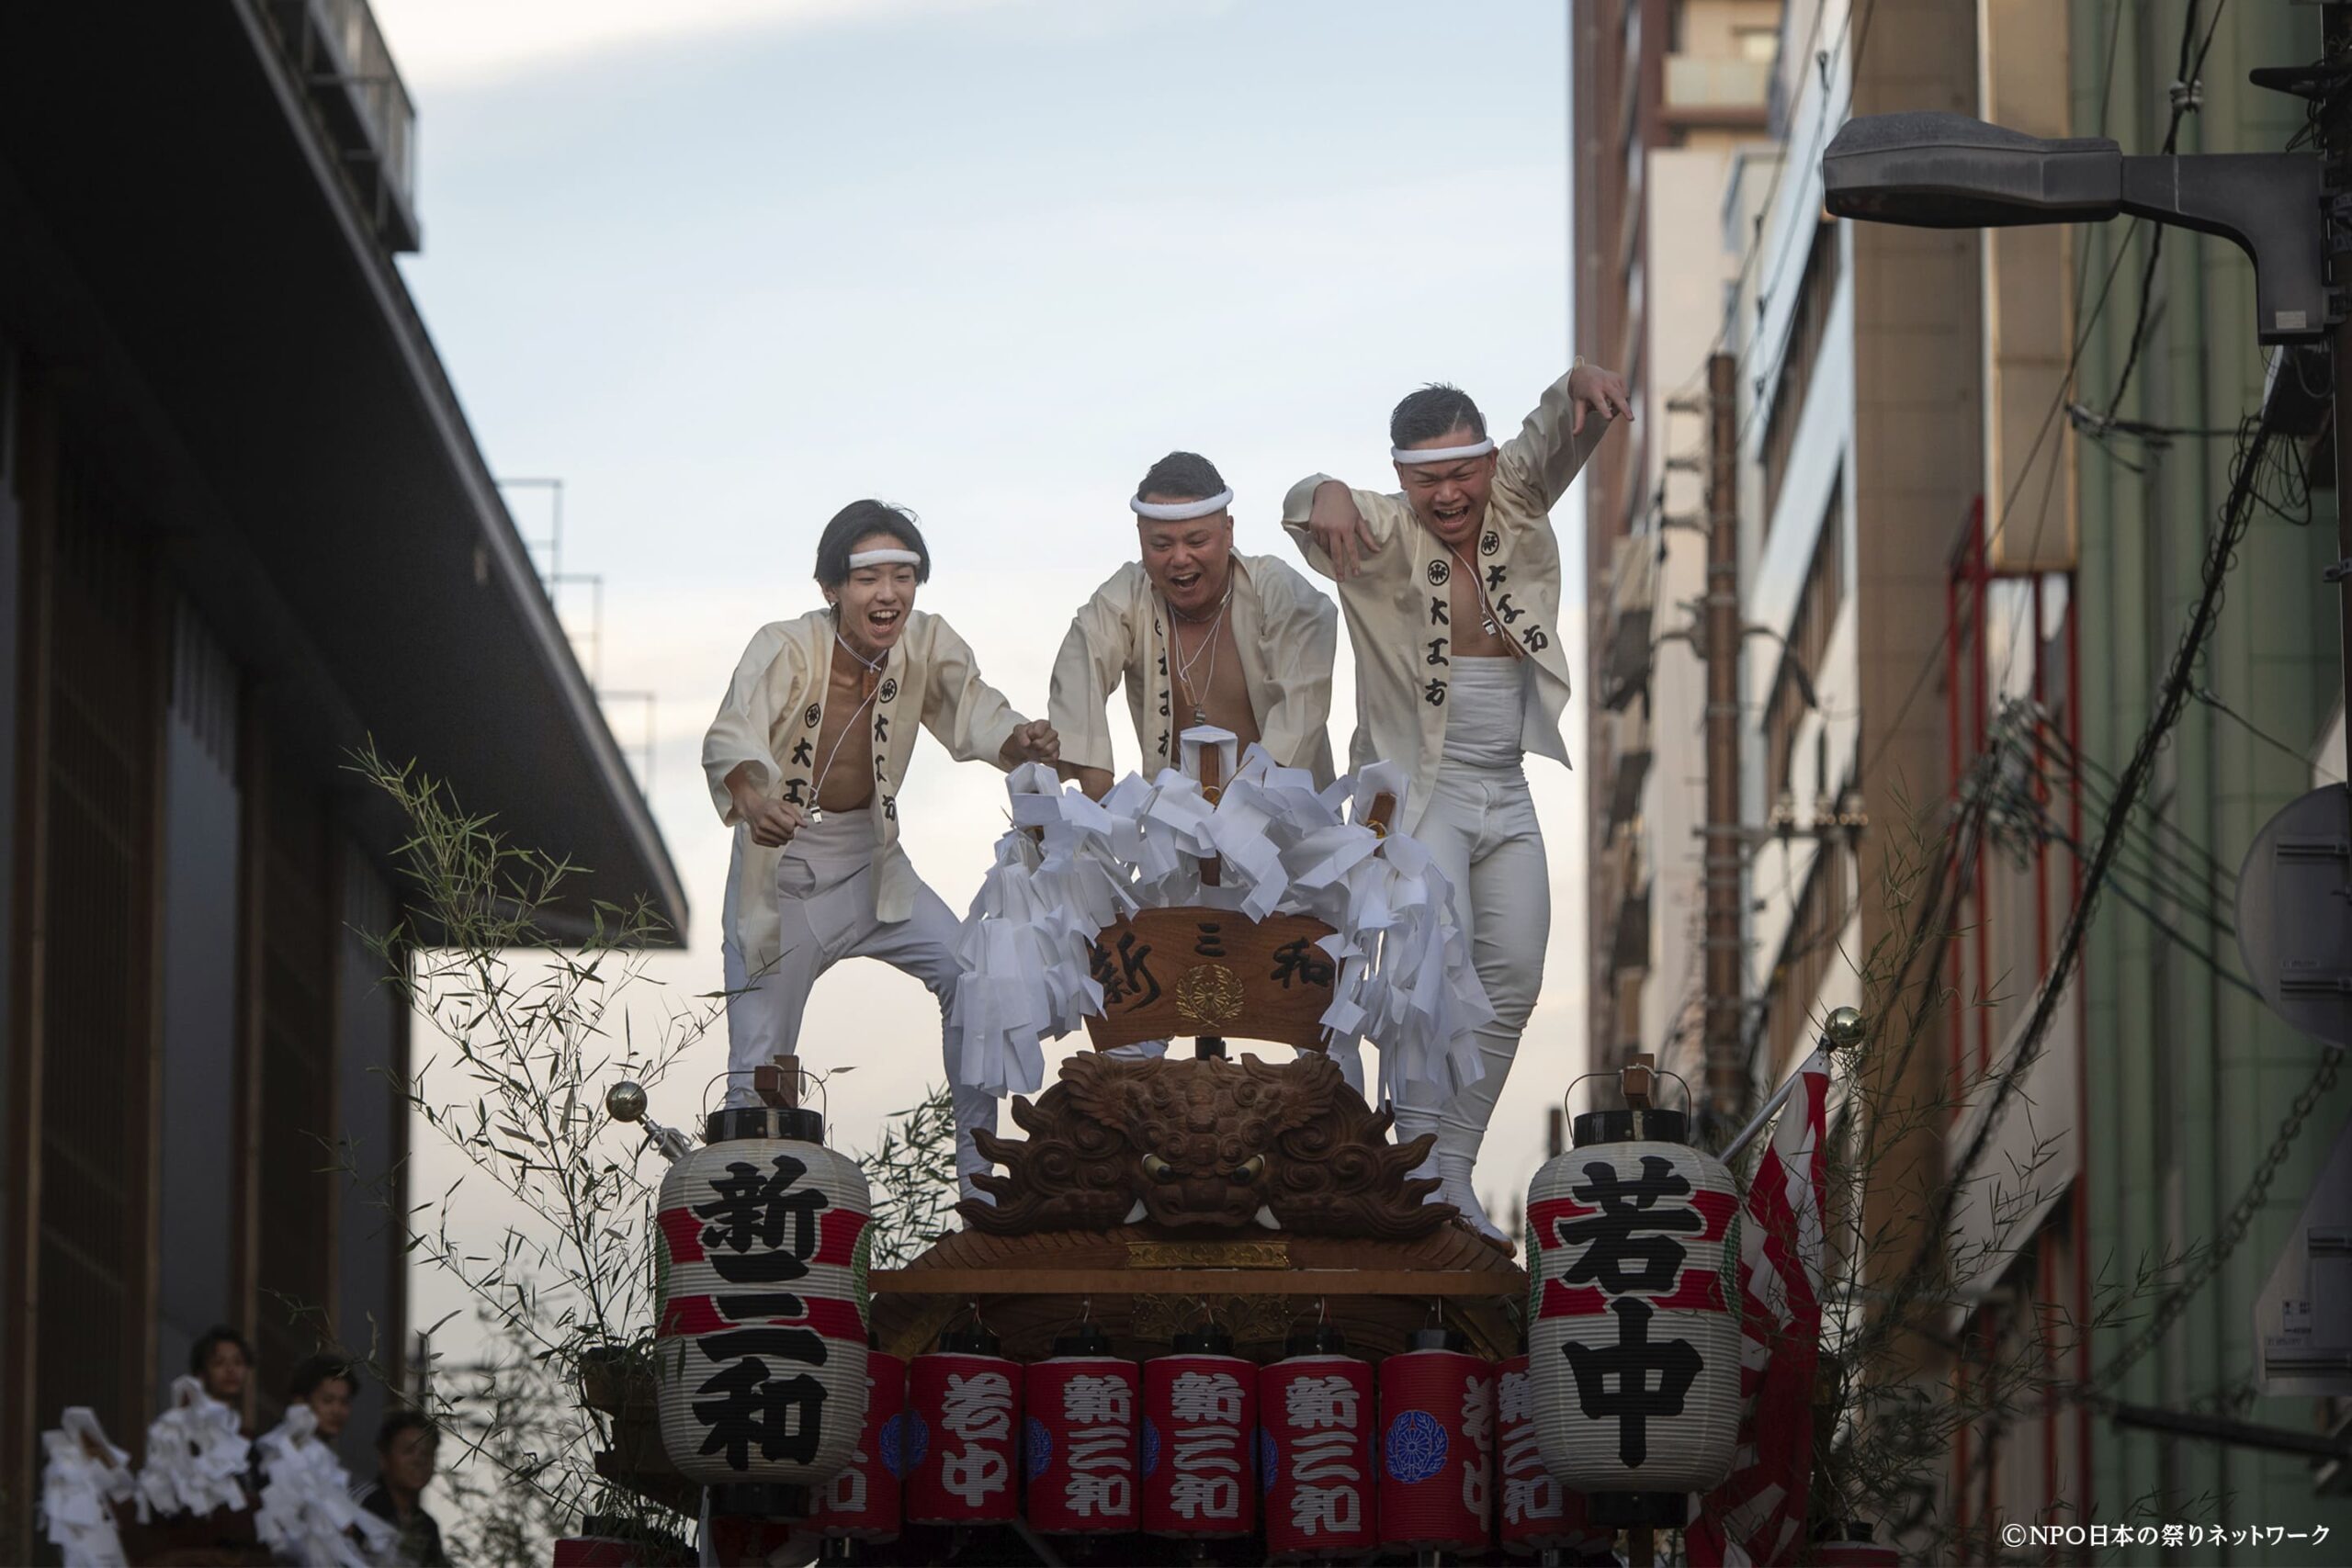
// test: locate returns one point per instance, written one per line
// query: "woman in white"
(806, 760)
(1451, 591)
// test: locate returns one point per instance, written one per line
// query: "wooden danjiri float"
(1172, 1314)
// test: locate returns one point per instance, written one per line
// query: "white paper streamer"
(306, 1513)
(1069, 866)
(84, 1478)
(196, 1456)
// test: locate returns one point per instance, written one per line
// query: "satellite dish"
(2295, 913)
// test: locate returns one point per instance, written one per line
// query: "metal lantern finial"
(1844, 1028)
(625, 1102)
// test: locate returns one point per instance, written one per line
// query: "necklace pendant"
(816, 814)
(1491, 629)
(1198, 716)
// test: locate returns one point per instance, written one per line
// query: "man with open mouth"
(1452, 589)
(806, 760)
(1198, 634)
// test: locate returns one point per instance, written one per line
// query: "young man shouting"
(1197, 634)
(1452, 589)
(806, 761)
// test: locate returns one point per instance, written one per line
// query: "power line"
(2236, 512)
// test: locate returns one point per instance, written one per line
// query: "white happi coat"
(1398, 608)
(1286, 631)
(772, 713)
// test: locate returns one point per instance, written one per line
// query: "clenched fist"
(1032, 742)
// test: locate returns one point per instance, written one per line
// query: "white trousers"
(825, 898)
(1481, 830)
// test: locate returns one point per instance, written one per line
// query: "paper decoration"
(306, 1514)
(760, 1346)
(1405, 978)
(196, 1457)
(84, 1477)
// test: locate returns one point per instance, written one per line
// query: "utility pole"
(1727, 1073)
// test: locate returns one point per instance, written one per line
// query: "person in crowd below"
(1198, 634)
(807, 760)
(1452, 589)
(408, 1445)
(327, 1385)
(223, 1363)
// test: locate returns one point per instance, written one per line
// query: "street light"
(1948, 171)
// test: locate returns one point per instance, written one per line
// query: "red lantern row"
(1422, 1455)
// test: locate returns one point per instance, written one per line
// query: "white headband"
(883, 557)
(1410, 455)
(1180, 511)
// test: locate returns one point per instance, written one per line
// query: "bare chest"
(1206, 681)
(845, 745)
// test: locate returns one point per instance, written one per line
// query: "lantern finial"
(625, 1102)
(1844, 1028)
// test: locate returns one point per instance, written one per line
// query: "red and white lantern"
(1200, 1424)
(1078, 1443)
(1538, 1513)
(1635, 1344)
(1437, 1446)
(760, 1341)
(862, 1502)
(963, 1426)
(1316, 1408)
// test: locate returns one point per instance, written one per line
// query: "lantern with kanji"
(1437, 1446)
(1077, 1446)
(1199, 1427)
(962, 1428)
(1537, 1513)
(861, 1502)
(1316, 1413)
(1634, 1338)
(760, 1344)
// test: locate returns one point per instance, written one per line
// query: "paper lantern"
(963, 1426)
(1537, 1513)
(760, 1344)
(862, 1502)
(1437, 1443)
(1078, 1447)
(1316, 1408)
(1199, 1428)
(1634, 1336)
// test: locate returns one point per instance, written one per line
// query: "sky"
(724, 266)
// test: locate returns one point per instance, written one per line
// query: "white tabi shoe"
(1456, 1171)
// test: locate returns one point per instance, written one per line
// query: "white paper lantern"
(761, 1343)
(1633, 1334)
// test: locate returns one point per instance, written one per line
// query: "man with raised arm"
(806, 761)
(1198, 634)
(1452, 589)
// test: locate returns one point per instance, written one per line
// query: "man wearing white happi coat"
(806, 761)
(1197, 634)
(1452, 589)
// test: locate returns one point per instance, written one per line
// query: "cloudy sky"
(723, 265)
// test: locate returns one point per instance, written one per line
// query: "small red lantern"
(1078, 1443)
(1436, 1411)
(1316, 1412)
(1199, 1420)
(1539, 1514)
(963, 1421)
(862, 1502)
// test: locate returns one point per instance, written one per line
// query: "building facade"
(244, 530)
(1966, 549)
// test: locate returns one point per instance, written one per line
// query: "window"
(1800, 346)
(1808, 644)
(1806, 954)
(1759, 46)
